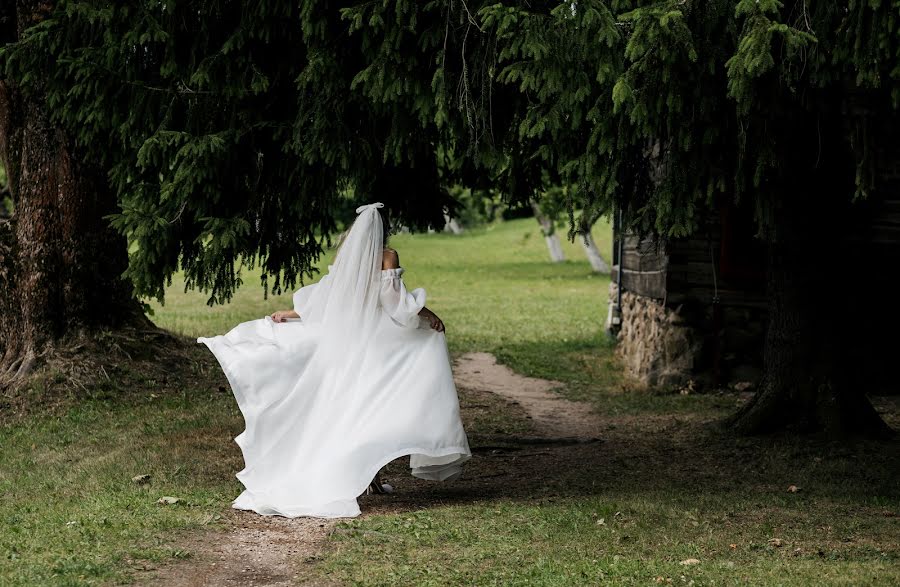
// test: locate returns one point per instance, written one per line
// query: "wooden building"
(693, 311)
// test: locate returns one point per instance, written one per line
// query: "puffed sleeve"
(401, 305)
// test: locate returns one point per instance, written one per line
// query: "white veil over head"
(348, 299)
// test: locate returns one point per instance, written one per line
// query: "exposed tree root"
(97, 365)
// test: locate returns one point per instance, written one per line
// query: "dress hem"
(464, 453)
(241, 398)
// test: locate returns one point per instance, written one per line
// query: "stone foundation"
(656, 346)
(687, 347)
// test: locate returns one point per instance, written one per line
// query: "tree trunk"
(593, 254)
(810, 382)
(554, 246)
(450, 224)
(60, 262)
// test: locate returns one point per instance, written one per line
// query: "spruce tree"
(212, 135)
(664, 109)
(60, 262)
(231, 132)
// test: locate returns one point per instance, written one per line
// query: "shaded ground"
(272, 551)
(522, 435)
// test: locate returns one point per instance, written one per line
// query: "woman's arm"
(283, 315)
(432, 318)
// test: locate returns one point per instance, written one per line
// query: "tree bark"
(452, 225)
(554, 246)
(593, 253)
(810, 382)
(60, 262)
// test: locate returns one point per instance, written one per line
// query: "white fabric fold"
(331, 398)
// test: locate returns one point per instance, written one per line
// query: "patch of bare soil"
(552, 415)
(255, 550)
(101, 365)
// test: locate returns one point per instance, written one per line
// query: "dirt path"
(270, 551)
(254, 551)
(552, 415)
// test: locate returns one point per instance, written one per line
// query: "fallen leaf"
(141, 479)
(690, 561)
(601, 522)
(793, 489)
(776, 542)
(167, 500)
(732, 546)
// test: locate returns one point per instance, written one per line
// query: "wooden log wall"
(688, 270)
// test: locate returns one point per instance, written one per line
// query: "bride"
(355, 376)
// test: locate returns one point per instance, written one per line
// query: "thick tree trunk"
(554, 246)
(816, 336)
(810, 382)
(593, 253)
(60, 262)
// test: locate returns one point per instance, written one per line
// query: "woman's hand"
(432, 318)
(283, 315)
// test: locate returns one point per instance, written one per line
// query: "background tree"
(551, 209)
(213, 135)
(60, 263)
(663, 110)
(229, 132)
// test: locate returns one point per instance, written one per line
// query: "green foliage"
(477, 207)
(233, 132)
(663, 108)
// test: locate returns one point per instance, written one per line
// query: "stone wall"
(657, 348)
(686, 346)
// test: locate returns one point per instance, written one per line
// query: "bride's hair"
(386, 223)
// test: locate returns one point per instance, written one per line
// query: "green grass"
(666, 485)
(70, 514)
(640, 542)
(494, 288)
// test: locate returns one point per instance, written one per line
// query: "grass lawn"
(665, 486)
(494, 288)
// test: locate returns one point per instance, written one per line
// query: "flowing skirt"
(319, 423)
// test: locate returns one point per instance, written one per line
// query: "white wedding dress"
(356, 382)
